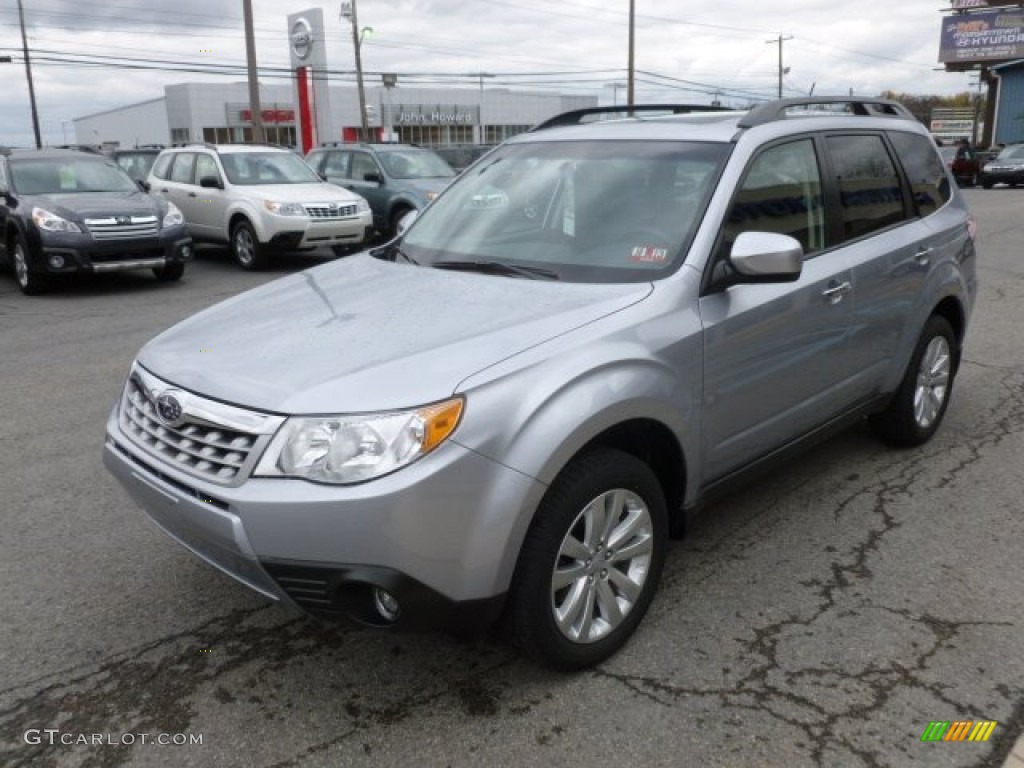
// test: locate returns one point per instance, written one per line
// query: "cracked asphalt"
(820, 618)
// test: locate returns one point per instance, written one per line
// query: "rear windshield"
(608, 211)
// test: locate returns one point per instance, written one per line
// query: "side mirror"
(143, 185)
(760, 257)
(323, 176)
(374, 177)
(210, 182)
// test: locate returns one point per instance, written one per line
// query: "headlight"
(51, 222)
(173, 217)
(351, 449)
(362, 206)
(284, 209)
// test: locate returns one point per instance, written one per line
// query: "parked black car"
(64, 212)
(1005, 168)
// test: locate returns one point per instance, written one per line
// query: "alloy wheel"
(602, 565)
(932, 382)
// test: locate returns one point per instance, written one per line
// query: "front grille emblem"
(169, 409)
(123, 221)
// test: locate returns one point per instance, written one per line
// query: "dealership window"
(180, 135)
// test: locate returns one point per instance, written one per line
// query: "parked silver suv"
(260, 199)
(511, 408)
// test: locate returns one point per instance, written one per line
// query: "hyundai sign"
(981, 37)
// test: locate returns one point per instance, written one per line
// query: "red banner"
(270, 115)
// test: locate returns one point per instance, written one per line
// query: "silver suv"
(509, 410)
(260, 199)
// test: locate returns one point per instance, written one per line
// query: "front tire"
(590, 563)
(919, 404)
(246, 247)
(30, 283)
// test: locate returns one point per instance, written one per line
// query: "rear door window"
(870, 194)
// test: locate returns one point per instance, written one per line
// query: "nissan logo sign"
(302, 38)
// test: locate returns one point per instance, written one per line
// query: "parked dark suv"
(63, 211)
(395, 179)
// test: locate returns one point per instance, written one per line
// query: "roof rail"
(778, 109)
(575, 117)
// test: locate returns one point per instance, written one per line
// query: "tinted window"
(924, 170)
(183, 166)
(414, 164)
(781, 193)
(162, 166)
(136, 164)
(869, 188)
(335, 164)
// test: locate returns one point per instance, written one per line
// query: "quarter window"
(924, 170)
(781, 193)
(870, 197)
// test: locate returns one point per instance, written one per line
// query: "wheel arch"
(952, 310)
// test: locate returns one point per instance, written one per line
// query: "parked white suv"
(260, 199)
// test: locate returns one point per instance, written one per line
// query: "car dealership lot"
(822, 617)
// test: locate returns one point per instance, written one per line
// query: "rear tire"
(170, 272)
(919, 404)
(590, 563)
(246, 247)
(396, 219)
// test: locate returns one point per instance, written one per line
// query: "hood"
(91, 205)
(367, 335)
(315, 192)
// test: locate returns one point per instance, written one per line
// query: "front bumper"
(70, 254)
(435, 535)
(1009, 176)
(287, 233)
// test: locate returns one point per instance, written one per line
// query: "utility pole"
(348, 9)
(28, 72)
(630, 70)
(255, 110)
(782, 70)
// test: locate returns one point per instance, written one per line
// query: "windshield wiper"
(499, 268)
(397, 251)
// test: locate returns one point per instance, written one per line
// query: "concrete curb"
(1016, 758)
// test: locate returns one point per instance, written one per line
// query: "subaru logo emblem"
(123, 220)
(169, 409)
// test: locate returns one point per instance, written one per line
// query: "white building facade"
(219, 113)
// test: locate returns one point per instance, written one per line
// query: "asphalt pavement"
(823, 617)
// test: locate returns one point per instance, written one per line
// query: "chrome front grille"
(122, 227)
(330, 211)
(207, 439)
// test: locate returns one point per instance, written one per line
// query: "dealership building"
(220, 113)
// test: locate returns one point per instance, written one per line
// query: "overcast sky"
(574, 46)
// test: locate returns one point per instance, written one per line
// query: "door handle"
(835, 291)
(923, 256)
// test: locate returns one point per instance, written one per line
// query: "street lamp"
(348, 11)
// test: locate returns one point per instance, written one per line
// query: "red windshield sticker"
(648, 254)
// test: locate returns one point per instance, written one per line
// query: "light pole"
(480, 116)
(348, 11)
(782, 70)
(630, 73)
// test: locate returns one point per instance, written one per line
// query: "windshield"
(604, 211)
(68, 175)
(136, 164)
(414, 164)
(1016, 152)
(253, 168)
